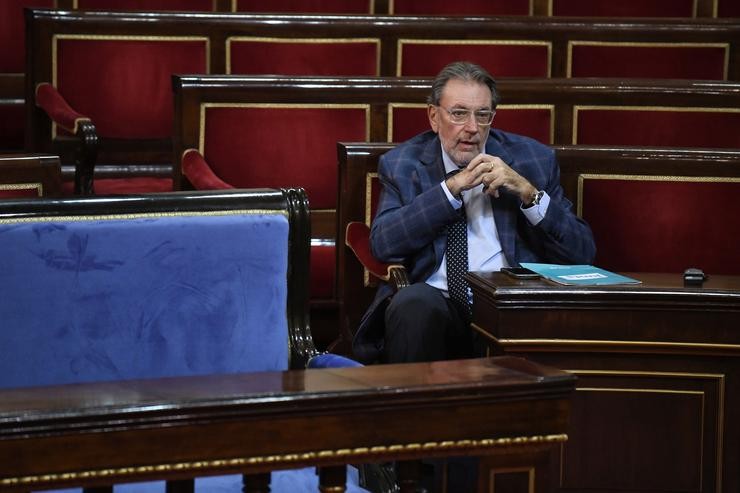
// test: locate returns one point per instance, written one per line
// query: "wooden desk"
(658, 394)
(509, 411)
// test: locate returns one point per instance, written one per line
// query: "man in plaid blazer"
(515, 207)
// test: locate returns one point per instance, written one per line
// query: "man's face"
(462, 142)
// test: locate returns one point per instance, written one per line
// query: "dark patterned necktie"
(457, 259)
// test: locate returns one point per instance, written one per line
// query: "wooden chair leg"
(181, 486)
(333, 479)
(256, 483)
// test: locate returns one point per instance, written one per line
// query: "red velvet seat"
(295, 56)
(469, 7)
(306, 6)
(657, 126)
(504, 58)
(728, 8)
(279, 145)
(190, 5)
(662, 224)
(11, 126)
(624, 8)
(12, 38)
(677, 60)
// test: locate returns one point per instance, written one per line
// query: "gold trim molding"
(143, 215)
(345, 455)
(605, 345)
(23, 186)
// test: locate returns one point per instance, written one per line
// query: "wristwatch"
(536, 197)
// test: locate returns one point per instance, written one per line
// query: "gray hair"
(466, 71)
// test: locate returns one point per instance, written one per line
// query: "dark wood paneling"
(657, 367)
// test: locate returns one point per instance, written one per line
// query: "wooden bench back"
(353, 45)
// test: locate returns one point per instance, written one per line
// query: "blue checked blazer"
(410, 226)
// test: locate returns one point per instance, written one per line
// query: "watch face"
(538, 197)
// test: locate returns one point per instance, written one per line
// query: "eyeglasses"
(460, 116)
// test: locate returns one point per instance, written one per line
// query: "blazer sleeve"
(566, 238)
(412, 212)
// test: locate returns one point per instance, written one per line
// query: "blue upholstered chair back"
(110, 296)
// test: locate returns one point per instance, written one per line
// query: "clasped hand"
(494, 174)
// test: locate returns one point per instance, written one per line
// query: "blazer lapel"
(506, 207)
(432, 173)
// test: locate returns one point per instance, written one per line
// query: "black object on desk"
(694, 277)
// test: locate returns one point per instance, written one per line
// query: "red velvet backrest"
(12, 37)
(307, 6)
(653, 126)
(295, 56)
(12, 121)
(536, 121)
(662, 224)
(728, 8)
(503, 58)
(187, 5)
(624, 8)
(648, 60)
(273, 145)
(124, 83)
(468, 7)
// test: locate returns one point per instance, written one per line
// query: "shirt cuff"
(454, 202)
(536, 213)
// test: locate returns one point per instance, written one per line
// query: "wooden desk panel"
(507, 410)
(658, 369)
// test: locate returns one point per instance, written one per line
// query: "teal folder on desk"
(579, 275)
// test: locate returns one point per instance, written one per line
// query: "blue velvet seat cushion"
(142, 297)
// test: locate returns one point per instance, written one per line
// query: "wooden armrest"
(199, 174)
(357, 238)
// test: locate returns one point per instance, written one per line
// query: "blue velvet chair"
(157, 286)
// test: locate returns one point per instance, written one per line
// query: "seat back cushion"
(124, 84)
(101, 299)
(662, 224)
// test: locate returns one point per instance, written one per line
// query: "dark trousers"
(423, 325)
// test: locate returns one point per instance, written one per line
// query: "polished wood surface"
(109, 432)
(658, 374)
(35, 173)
